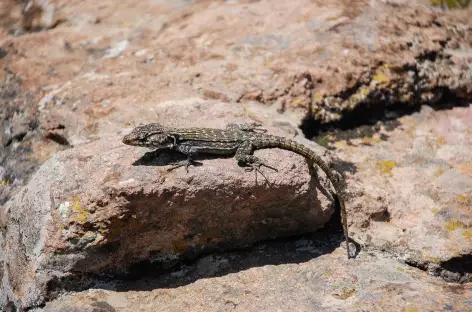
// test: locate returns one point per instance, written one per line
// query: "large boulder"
(102, 207)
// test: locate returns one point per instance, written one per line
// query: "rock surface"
(325, 283)
(103, 207)
(103, 69)
(414, 187)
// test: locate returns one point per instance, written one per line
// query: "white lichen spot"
(140, 52)
(116, 49)
(127, 182)
(63, 209)
(98, 238)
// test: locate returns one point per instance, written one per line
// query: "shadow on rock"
(147, 276)
(169, 157)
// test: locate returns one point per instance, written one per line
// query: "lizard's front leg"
(245, 158)
(190, 152)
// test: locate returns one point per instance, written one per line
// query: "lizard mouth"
(136, 142)
(129, 141)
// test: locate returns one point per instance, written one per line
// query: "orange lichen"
(441, 140)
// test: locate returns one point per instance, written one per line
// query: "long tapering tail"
(335, 178)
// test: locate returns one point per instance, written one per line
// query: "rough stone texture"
(18, 121)
(101, 66)
(102, 207)
(106, 68)
(20, 16)
(414, 190)
(328, 282)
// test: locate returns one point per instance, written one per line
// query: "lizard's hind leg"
(252, 163)
(248, 127)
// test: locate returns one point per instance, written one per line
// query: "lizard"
(238, 140)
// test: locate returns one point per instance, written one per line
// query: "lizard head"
(151, 135)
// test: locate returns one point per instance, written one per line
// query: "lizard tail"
(336, 179)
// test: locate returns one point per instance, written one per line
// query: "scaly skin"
(240, 140)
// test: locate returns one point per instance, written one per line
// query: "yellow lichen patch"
(370, 140)
(80, 214)
(439, 172)
(453, 225)
(451, 4)
(323, 141)
(364, 91)
(251, 114)
(318, 97)
(381, 78)
(467, 234)
(463, 198)
(4, 182)
(297, 101)
(341, 144)
(360, 95)
(435, 210)
(335, 116)
(386, 166)
(382, 75)
(441, 140)
(411, 310)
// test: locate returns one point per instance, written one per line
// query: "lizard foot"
(248, 127)
(256, 167)
(187, 163)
